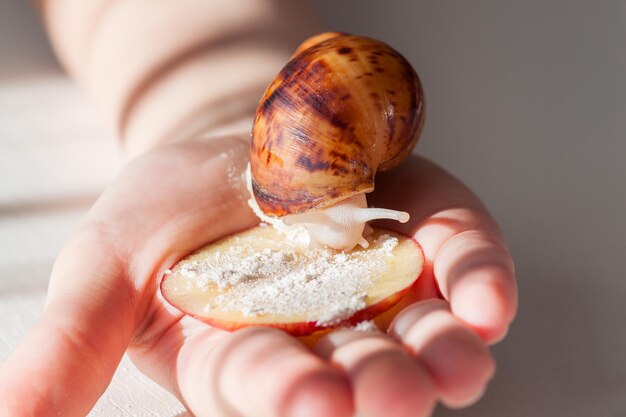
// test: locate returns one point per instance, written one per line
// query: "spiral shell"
(342, 108)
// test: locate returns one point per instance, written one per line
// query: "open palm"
(104, 300)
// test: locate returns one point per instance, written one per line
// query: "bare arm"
(172, 72)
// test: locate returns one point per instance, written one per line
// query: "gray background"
(526, 102)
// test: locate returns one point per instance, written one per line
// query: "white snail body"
(341, 226)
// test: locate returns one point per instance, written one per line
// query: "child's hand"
(104, 299)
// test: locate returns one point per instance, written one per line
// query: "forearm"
(174, 72)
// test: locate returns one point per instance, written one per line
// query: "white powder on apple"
(325, 285)
(365, 326)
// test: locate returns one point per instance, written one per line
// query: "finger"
(476, 275)
(259, 373)
(465, 253)
(456, 359)
(67, 360)
(385, 380)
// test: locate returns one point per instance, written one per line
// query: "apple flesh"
(397, 272)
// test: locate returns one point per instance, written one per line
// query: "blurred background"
(526, 102)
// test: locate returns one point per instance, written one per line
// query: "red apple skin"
(308, 327)
(302, 329)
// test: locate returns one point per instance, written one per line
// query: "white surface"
(526, 102)
(55, 159)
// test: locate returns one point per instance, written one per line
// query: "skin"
(157, 87)
(104, 300)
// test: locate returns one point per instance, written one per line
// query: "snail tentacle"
(374, 213)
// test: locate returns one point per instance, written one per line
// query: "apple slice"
(259, 278)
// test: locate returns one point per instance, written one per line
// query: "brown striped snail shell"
(343, 108)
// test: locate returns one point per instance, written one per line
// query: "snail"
(342, 109)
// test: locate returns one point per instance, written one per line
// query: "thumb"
(68, 358)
